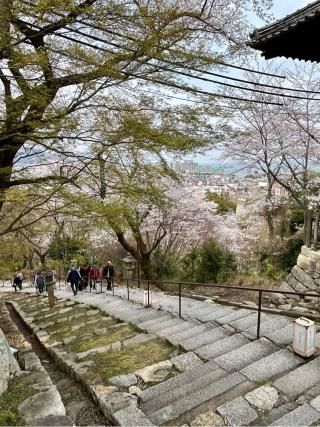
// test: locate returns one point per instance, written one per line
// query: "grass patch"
(119, 334)
(121, 362)
(17, 392)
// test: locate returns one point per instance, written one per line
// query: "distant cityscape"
(217, 180)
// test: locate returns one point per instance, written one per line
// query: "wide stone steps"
(193, 331)
(304, 415)
(245, 355)
(226, 345)
(269, 326)
(208, 337)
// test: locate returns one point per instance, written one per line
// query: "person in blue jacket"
(74, 278)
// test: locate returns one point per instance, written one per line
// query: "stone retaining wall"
(304, 277)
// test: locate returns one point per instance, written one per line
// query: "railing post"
(259, 315)
(112, 284)
(179, 299)
(89, 281)
(148, 293)
(128, 289)
(316, 231)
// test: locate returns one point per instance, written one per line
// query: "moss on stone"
(9, 401)
(121, 333)
(121, 362)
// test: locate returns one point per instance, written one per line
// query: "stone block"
(305, 415)
(114, 402)
(124, 380)
(263, 398)
(303, 277)
(238, 412)
(131, 416)
(186, 361)
(303, 262)
(285, 287)
(42, 405)
(155, 373)
(99, 390)
(209, 418)
(69, 340)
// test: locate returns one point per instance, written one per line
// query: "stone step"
(271, 325)
(154, 328)
(145, 315)
(146, 324)
(211, 351)
(248, 321)
(177, 381)
(176, 409)
(208, 337)
(271, 366)
(191, 332)
(173, 330)
(283, 336)
(235, 315)
(245, 355)
(184, 390)
(215, 314)
(301, 379)
(305, 415)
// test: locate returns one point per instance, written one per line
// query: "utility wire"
(157, 66)
(44, 31)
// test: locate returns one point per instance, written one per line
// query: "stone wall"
(8, 364)
(304, 277)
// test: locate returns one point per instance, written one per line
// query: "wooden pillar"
(308, 226)
(316, 231)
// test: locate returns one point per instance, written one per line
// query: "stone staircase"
(227, 373)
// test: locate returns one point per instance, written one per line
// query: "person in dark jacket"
(39, 280)
(74, 278)
(109, 273)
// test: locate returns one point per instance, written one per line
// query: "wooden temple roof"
(295, 36)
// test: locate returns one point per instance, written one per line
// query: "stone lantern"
(49, 282)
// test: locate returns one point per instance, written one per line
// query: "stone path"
(227, 376)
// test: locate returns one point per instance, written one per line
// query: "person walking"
(74, 278)
(39, 280)
(16, 283)
(109, 273)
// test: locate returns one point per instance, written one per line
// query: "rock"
(116, 345)
(74, 407)
(118, 325)
(155, 373)
(87, 353)
(208, 419)
(4, 363)
(134, 389)
(138, 339)
(100, 331)
(250, 303)
(303, 262)
(124, 380)
(114, 402)
(69, 340)
(186, 361)
(30, 361)
(42, 405)
(237, 412)
(78, 326)
(92, 312)
(53, 420)
(315, 403)
(263, 398)
(131, 416)
(285, 307)
(303, 277)
(99, 390)
(285, 287)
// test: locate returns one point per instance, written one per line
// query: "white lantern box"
(145, 299)
(304, 337)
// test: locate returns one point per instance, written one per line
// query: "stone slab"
(248, 321)
(131, 416)
(186, 361)
(305, 415)
(263, 398)
(235, 315)
(163, 324)
(156, 372)
(114, 402)
(177, 381)
(182, 391)
(173, 330)
(124, 380)
(179, 407)
(282, 336)
(42, 405)
(215, 314)
(154, 321)
(237, 359)
(210, 336)
(271, 366)
(271, 325)
(301, 379)
(211, 351)
(191, 332)
(138, 339)
(237, 412)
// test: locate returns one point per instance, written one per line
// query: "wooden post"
(308, 228)
(316, 231)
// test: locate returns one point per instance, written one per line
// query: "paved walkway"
(226, 365)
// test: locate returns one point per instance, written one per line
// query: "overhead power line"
(175, 71)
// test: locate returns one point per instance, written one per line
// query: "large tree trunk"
(147, 267)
